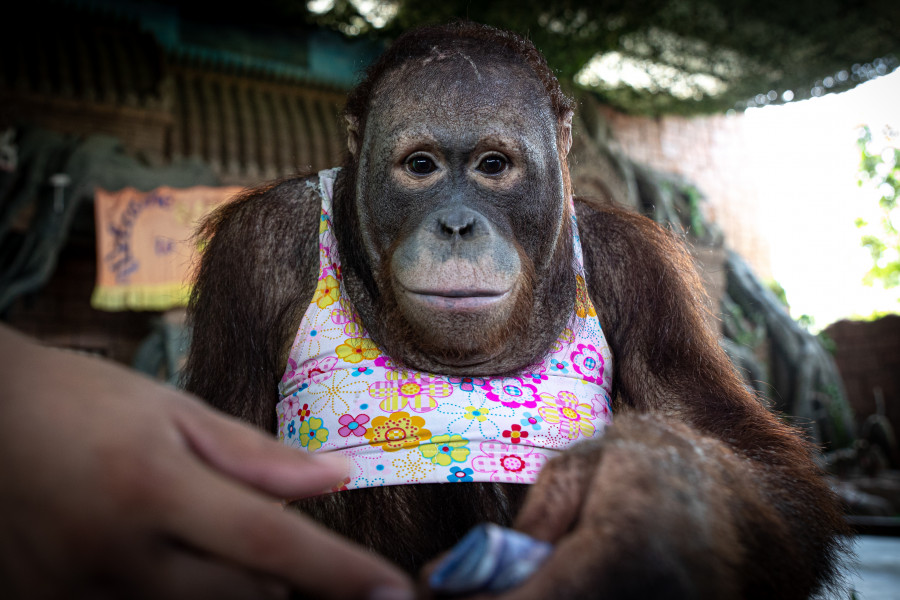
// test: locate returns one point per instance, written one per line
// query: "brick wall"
(868, 357)
(710, 152)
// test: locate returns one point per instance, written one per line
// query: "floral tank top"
(340, 393)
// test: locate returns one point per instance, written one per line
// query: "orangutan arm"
(696, 490)
(257, 274)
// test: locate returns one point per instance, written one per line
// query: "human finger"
(244, 453)
(213, 514)
(184, 575)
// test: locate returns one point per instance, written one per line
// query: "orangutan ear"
(353, 135)
(564, 135)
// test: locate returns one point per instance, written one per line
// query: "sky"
(807, 161)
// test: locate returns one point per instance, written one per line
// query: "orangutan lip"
(460, 300)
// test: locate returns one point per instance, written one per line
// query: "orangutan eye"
(419, 164)
(493, 164)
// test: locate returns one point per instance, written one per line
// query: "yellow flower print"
(565, 338)
(583, 305)
(573, 417)
(411, 468)
(444, 449)
(327, 292)
(398, 431)
(403, 387)
(479, 414)
(355, 350)
(312, 434)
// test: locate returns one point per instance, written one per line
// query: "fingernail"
(391, 593)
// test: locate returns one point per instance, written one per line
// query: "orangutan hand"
(630, 517)
(112, 485)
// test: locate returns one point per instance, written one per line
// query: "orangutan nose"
(458, 222)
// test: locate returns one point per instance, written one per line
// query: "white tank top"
(397, 426)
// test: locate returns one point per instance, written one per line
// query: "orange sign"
(145, 245)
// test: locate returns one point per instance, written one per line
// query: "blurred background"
(764, 133)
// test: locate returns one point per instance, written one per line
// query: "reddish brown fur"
(669, 362)
(696, 491)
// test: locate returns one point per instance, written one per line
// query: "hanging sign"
(146, 250)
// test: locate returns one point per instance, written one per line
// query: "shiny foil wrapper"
(489, 558)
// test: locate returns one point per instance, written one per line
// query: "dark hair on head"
(419, 43)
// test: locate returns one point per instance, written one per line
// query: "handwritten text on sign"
(145, 243)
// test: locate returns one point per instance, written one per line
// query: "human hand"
(112, 485)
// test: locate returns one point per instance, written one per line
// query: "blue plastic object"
(489, 558)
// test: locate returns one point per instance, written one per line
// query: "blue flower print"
(537, 378)
(559, 366)
(533, 421)
(361, 371)
(457, 474)
(292, 429)
(467, 384)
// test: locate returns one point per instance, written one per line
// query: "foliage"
(672, 56)
(827, 342)
(842, 431)
(778, 290)
(880, 171)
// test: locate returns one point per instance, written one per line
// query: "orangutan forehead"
(453, 80)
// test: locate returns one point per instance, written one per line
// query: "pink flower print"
(318, 371)
(558, 366)
(387, 363)
(574, 418)
(290, 371)
(408, 387)
(342, 313)
(511, 392)
(535, 377)
(537, 367)
(537, 373)
(588, 363)
(330, 269)
(600, 408)
(290, 406)
(467, 384)
(353, 425)
(508, 463)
